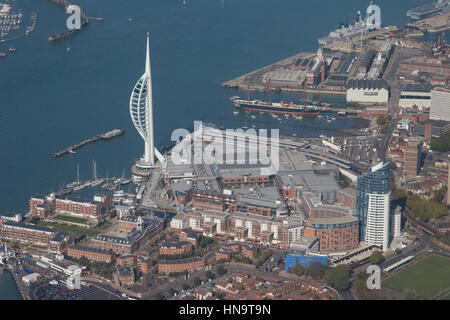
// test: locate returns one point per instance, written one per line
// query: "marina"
(10, 24)
(105, 136)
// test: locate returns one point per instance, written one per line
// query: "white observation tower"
(141, 112)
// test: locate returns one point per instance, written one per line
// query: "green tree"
(338, 277)
(209, 275)
(316, 270)
(425, 209)
(221, 270)
(299, 270)
(185, 286)
(197, 281)
(442, 143)
(376, 257)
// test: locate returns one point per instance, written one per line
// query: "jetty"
(103, 136)
(67, 33)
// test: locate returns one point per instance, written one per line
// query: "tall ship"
(429, 10)
(275, 107)
(348, 31)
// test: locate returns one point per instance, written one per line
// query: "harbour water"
(8, 289)
(51, 97)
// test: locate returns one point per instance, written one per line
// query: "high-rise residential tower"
(373, 205)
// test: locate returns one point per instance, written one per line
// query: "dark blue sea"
(51, 98)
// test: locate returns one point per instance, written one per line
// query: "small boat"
(68, 49)
(71, 151)
(253, 117)
(97, 182)
(2, 54)
(12, 49)
(73, 184)
(235, 113)
(125, 181)
(119, 193)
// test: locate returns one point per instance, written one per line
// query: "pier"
(67, 33)
(104, 136)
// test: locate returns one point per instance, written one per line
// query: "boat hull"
(279, 111)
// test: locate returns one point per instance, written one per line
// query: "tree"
(442, 143)
(398, 251)
(197, 281)
(171, 291)
(299, 270)
(209, 275)
(185, 286)
(316, 270)
(424, 209)
(376, 257)
(338, 277)
(221, 270)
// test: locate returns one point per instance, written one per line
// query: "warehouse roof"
(367, 84)
(417, 87)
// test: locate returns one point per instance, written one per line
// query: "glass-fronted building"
(374, 182)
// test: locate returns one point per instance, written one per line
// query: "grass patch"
(428, 277)
(69, 229)
(70, 219)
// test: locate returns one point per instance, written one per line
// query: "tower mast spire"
(150, 148)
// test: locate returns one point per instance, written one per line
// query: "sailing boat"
(79, 184)
(76, 183)
(96, 181)
(124, 181)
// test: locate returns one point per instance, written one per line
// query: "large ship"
(275, 107)
(429, 10)
(348, 31)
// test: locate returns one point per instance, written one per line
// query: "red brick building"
(89, 253)
(223, 254)
(176, 248)
(126, 260)
(126, 276)
(27, 233)
(144, 264)
(176, 266)
(249, 251)
(60, 242)
(80, 207)
(338, 233)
